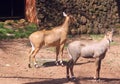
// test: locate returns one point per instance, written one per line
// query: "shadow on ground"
(52, 63)
(80, 80)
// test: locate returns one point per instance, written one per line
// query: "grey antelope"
(95, 50)
(56, 37)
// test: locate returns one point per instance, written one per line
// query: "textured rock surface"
(95, 15)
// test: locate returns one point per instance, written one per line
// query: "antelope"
(95, 50)
(56, 37)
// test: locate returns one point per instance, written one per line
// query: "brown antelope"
(56, 37)
(95, 50)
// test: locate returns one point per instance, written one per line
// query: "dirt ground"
(14, 66)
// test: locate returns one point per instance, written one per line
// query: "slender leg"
(72, 66)
(31, 52)
(98, 67)
(71, 70)
(61, 54)
(33, 56)
(57, 53)
(67, 69)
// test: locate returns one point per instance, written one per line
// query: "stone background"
(93, 16)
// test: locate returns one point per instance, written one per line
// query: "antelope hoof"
(68, 78)
(36, 65)
(57, 63)
(96, 79)
(61, 63)
(29, 65)
(73, 78)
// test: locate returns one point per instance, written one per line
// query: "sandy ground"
(14, 66)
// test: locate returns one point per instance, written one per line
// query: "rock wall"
(92, 16)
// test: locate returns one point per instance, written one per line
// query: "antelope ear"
(64, 14)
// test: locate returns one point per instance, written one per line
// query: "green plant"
(24, 33)
(18, 33)
(114, 43)
(1, 24)
(4, 32)
(96, 37)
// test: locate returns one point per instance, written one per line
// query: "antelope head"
(109, 35)
(70, 17)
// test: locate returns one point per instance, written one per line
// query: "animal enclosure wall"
(17, 9)
(92, 16)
